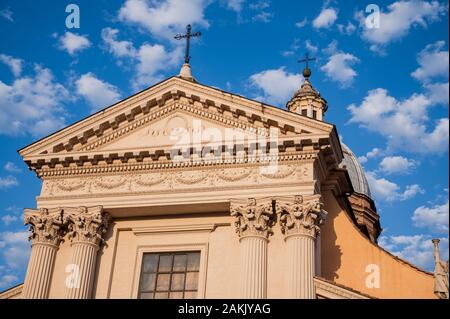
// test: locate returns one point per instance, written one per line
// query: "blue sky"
(386, 85)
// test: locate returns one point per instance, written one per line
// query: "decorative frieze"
(301, 216)
(253, 218)
(173, 180)
(46, 225)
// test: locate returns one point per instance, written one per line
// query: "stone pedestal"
(46, 234)
(299, 221)
(253, 223)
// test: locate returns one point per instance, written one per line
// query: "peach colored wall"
(119, 261)
(346, 253)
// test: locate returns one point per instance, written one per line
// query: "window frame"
(172, 272)
(202, 248)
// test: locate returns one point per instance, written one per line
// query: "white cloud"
(152, 60)
(149, 60)
(7, 14)
(73, 43)
(277, 85)
(435, 218)
(375, 152)
(8, 181)
(8, 219)
(263, 16)
(397, 21)
(235, 5)
(11, 167)
(118, 48)
(164, 18)
(260, 5)
(32, 104)
(8, 280)
(14, 64)
(15, 251)
(437, 93)
(417, 249)
(386, 190)
(347, 29)
(310, 47)
(339, 68)
(97, 92)
(402, 123)
(301, 24)
(396, 165)
(433, 62)
(326, 18)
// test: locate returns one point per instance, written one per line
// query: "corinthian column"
(254, 225)
(300, 222)
(46, 228)
(86, 228)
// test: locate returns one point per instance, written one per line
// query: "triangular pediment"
(150, 119)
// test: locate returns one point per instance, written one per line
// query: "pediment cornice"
(198, 99)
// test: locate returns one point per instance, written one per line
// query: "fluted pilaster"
(86, 228)
(299, 220)
(253, 223)
(46, 228)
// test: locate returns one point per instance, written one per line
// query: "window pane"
(150, 263)
(148, 282)
(169, 275)
(176, 295)
(191, 281)
(146, 295)
(193, 261)
(177, 282)
(179, 263)
(190, 295)
(161, 295)
(165, 263)
(163, 282)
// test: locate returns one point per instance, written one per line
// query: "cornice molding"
(12, 292)
(329, 290)
(130, 110)
(165, 165)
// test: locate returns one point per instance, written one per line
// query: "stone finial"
(46, 225)
(300, 216)
(252, 217)
(87, 224)
(186, 72)
(440, 273)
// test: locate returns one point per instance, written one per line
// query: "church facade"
(186, 191)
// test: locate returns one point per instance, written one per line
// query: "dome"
(355, 171)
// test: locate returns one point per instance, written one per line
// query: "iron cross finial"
(306, 71)
(188, 37)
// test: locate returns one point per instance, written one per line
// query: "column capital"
(300, 215)
(46, 225)
(253, 217)
(87, 224)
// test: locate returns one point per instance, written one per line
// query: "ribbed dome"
(355, 171)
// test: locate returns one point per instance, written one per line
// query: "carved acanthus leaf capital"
(46, 225)
(252, 217)
(299, 215)
(87, 224)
